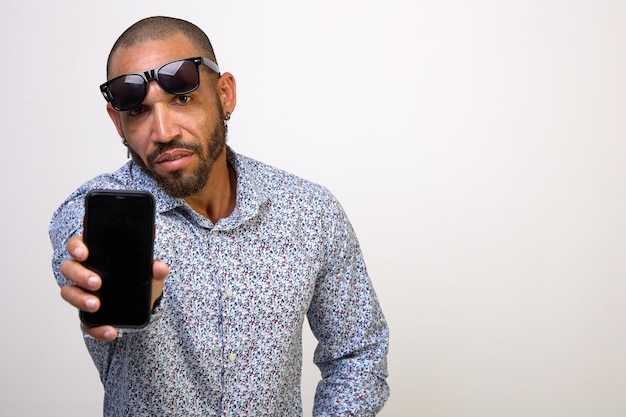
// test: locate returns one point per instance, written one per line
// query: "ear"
(227, 92)
(115, 117)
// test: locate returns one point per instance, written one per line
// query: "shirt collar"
(250, 192)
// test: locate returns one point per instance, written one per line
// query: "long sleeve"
(353, 336)
(66, 223)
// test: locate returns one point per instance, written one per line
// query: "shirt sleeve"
(353, 336)
(67, 221)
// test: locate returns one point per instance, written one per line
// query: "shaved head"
(158, 28)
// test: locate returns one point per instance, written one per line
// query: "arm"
(65, 231)
(353, 336)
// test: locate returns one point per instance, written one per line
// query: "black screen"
(119, 233)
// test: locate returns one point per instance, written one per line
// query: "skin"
(158, 133)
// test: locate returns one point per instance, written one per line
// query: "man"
(248, 251)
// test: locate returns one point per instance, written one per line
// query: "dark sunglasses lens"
(127, 91)
(179, 77)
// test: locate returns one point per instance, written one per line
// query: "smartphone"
(118, 230)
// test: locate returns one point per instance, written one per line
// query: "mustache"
(174, 144)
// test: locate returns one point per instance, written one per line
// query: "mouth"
(173, 160)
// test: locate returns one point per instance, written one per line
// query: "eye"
(183, 99)
(136, 111)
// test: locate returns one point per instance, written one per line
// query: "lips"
(174, 159)
(172, 155)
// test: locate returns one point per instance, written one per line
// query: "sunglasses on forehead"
(181, 76)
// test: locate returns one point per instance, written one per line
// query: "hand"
(85, 280)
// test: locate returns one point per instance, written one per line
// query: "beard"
(180, 185)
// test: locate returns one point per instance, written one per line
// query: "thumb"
(160, 270)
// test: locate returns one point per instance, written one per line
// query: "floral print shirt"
(226, 339)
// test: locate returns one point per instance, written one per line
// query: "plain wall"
(478, 148)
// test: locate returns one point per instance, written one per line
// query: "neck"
(218, 197)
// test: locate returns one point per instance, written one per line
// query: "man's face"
(175, 139)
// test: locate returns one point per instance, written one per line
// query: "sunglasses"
(181, 76)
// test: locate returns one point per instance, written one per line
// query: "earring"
(227, 116)
(125, 143)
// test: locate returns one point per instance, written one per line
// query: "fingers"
(84, 280)
(73, 270)
(77, 248)
(80, 299)
(79, 275)
(89, 303)
(102, 333)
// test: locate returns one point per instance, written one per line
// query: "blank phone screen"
(119, 233)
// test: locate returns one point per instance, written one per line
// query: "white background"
(478, 148)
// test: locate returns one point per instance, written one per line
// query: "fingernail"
(92, 282)
(109, 334)
(91, 303)
(78, 252)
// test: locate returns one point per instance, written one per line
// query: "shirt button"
(232, 357)
(229, 293)
(214, 233)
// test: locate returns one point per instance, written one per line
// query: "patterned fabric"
(226, 339)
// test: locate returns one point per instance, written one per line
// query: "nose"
(163, 121)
